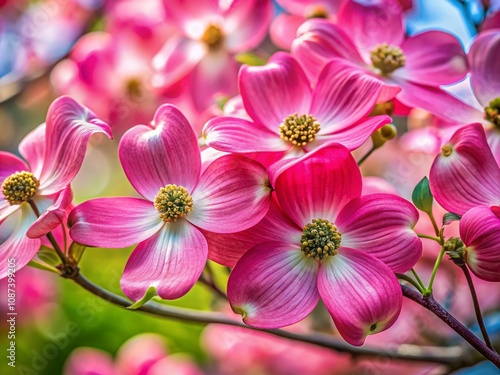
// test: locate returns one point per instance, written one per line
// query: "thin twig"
(430, 304)
(477, 309)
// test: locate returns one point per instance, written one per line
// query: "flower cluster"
(252, 159)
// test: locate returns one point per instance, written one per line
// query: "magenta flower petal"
(32, 148)
(360, 292)
(273, 285)
(232, 134)
(69, 126)
(352, 136)
(54, 216)
(433, 58)
(274, 91)
(351, 98)
(16, 245)
(232, 195)
(469, 175)
(373, 22)
(484, 55)
(318, 184)
(114, 222)
(480, 232)
(246, 23)
(381, 225)
(9, 164)
(164, 153)
(227, 249)
(172, 261)
(318, 42)
(176, 59)
(436, 101)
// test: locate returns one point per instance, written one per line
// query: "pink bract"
(419, 64)
(230, 195)
(465, 174)
(276, 94)
(275, 283)
(54, 153)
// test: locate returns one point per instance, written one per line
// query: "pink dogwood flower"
(321, 238)
(210, 33)
(289, 118)
(464, 180)
(162, 161)
(370, 37)
(54, 153)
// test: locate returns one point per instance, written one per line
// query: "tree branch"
(446, 356)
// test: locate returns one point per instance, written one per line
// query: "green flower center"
(173, 202)
(492, 112)
(213, 36)
(133, 88)
(299, 130)
(320, 239)
(387, 58)
(20, 187)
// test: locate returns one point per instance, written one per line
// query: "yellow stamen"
(20, 187)
(299, 130)
(173, 202)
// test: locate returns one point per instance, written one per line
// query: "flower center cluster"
(387, 58)
(173, 202)
(299, 130)
(318, 11)
(320, 239)
(213, 36)
(133, 88)
(20, 187)
(447, 150)
(492, 112)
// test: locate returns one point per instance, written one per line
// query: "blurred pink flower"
(284, 26)
(289, 119)
(55, 153)
(322, 239)
(210, 33)
(143, 354)
(370, 37)
(162, 161)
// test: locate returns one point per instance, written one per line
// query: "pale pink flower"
(210, 33)
(54, 152)
(288, 118)
(162, 161)
(321, 238)
(370, 37)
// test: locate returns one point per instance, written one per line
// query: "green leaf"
(76, 251)
(42, 266)
(249, 58)
(422, 196)
(450, 217)
(150, 293)
(48, 256)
